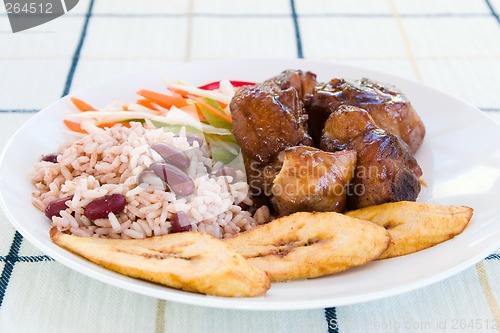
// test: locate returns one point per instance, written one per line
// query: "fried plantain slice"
(189, 261)
(307, 245)
(415, 226)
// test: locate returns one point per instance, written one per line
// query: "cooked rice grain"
(107, 163)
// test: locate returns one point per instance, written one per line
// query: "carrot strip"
(162, 100)
(146, 103)
(81, 105)
(125, 108)
(179, 92)
(111, 124)
(212, 110)
(194, 111)
(74, 126)
(175, 94)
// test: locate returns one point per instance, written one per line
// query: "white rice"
(106, 163)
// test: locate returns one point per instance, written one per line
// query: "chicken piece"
(268, 119)
(260, 179)
(386, 171)
(348, 123)
(388, 107)
(312, 180)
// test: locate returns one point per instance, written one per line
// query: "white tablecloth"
(452, 45)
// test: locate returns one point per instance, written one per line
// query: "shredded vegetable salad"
(201, 110)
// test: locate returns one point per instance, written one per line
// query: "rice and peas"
(117, 163)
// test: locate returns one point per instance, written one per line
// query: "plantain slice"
(415, 226)
(189, 261)
(307, 245)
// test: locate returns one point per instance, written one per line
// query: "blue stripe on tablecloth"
(297, 30)
(331, 320)
(278, 15)
(493, 256)
(19, 110)
(26, 258)
(10, 262)
(492, 10)
(390, 15)
(13, 256)
(76, 55)
(34, 258)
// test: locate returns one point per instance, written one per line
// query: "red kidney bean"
(50, 158)
(243, 206)
(101, 207)
(55, 206)
(181, 222)
(172, 155)
(226, 171)
(177, 180)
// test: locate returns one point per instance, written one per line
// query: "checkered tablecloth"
(452, 45)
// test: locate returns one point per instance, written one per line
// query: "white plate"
(460, 159)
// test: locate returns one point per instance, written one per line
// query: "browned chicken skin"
(386, 170)
(269, 117)
(388, 107)
(304, 82)
(272, 128)
(312, 180)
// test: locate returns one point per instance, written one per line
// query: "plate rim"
(220, 302)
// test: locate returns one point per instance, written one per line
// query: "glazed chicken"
(366, 157)
(312, 180)
(304, 82)
(269, 117)
(387, 106)
(386, 170)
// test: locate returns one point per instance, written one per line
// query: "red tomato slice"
(216, 84)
